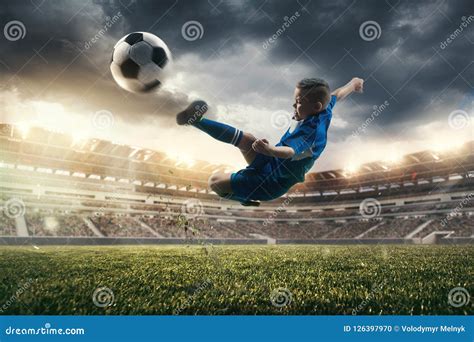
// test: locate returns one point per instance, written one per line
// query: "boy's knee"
(247, 140)
(214, 183)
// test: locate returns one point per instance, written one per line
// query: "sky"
(244, 58)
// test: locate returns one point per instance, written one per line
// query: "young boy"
(273, 170)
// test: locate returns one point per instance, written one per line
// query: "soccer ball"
(140, 62)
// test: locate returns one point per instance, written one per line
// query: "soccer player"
(273, 170)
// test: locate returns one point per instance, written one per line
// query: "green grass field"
(234, 279)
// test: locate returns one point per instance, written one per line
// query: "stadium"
(91, 227)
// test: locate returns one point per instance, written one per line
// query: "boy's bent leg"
(228, 134)
(220, 183)
(245, 146)
(193, 115)
(220, 131)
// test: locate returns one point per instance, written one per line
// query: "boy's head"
(312, 96)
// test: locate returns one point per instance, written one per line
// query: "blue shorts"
(258, 181)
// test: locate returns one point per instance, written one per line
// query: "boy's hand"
(261, 146)
(354, 85)
(358, 84)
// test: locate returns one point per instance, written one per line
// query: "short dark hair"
(316, 90)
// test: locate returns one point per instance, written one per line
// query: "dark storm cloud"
(56, 61)
(410, 73)
(405, 65)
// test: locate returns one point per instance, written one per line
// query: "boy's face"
(303, 106)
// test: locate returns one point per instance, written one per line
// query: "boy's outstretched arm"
(354, 85)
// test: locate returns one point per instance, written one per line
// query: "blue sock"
(220, 131)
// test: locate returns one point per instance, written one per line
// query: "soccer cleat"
(192, 114)
(250, 203)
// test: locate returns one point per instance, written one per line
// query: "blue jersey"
(308, 140)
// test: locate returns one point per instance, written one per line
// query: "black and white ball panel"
(139, 62)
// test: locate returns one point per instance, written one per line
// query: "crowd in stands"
(395, 227)
(56, 223)
(72, 225)
(170, 222)
(352, 229)
(112, 225)
(460, 225)
(7, 225)
(35, 224)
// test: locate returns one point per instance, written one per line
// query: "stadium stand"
(395, 228)
(98, 189)
(119, 226)
(7, 225)
(462, 226)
